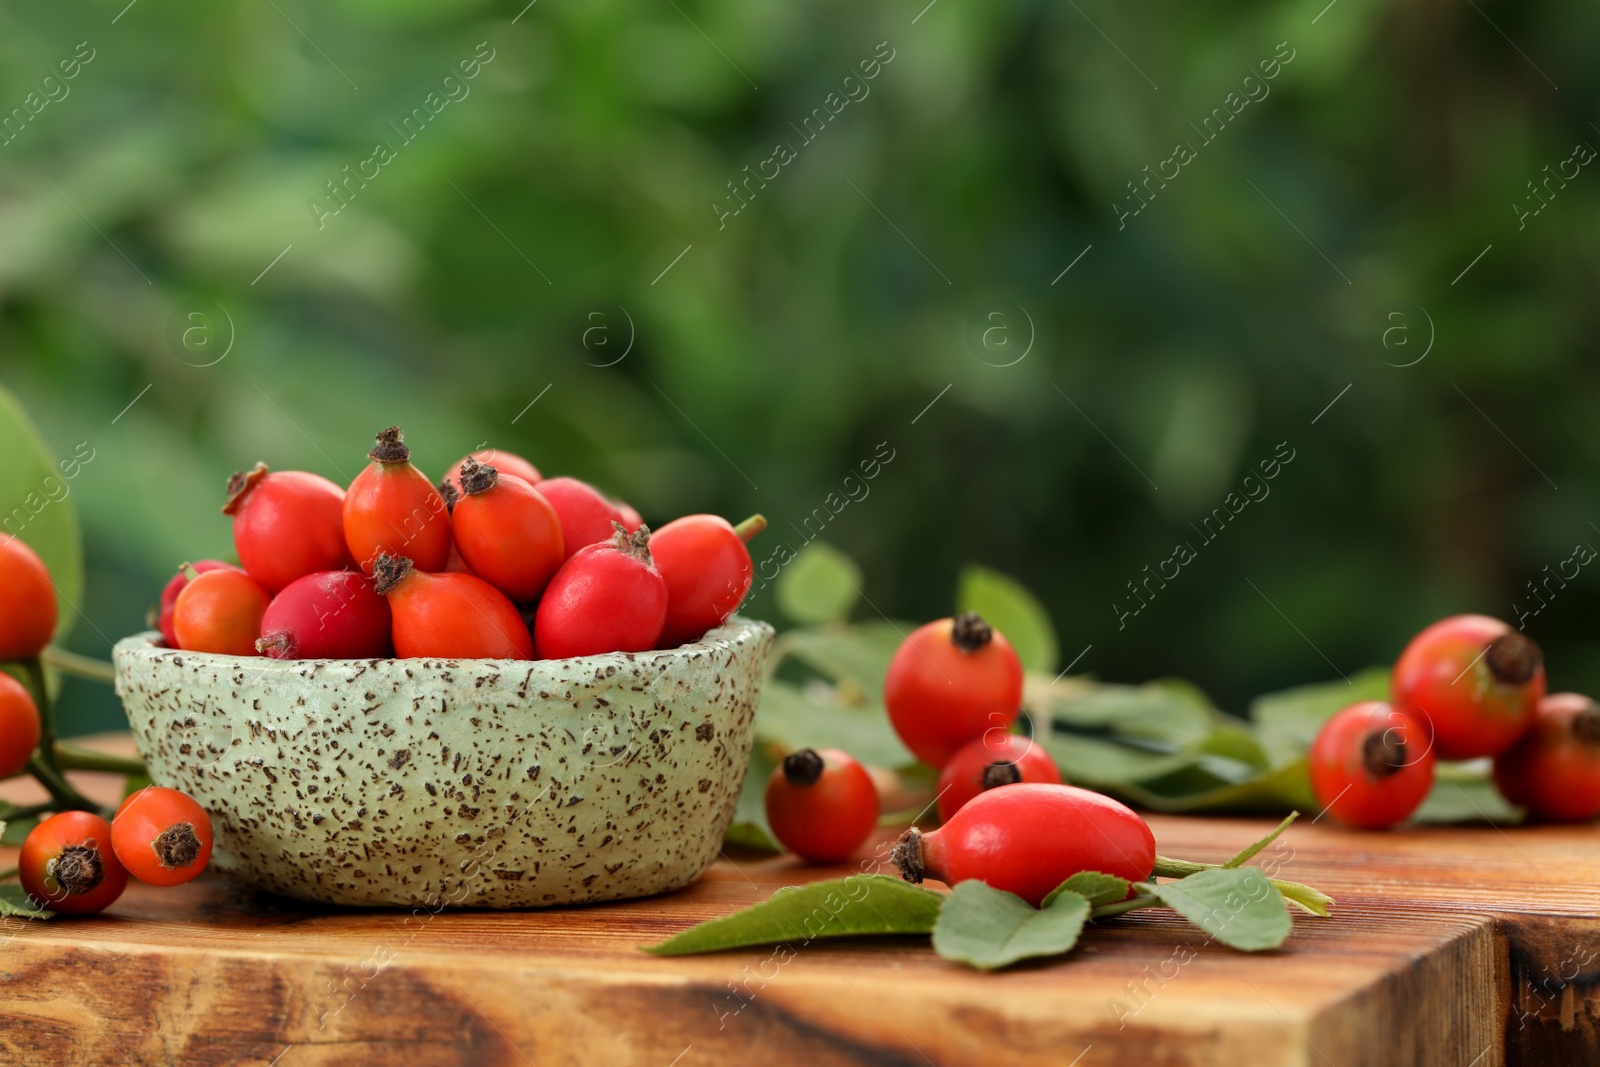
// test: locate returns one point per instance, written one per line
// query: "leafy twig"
(73, 758)
(96, 670)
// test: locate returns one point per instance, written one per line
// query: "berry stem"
(72, 758)
(47, 718)
(9, 872)
(65, 797)
(750, 527)
(96, 670)
(1107, 910)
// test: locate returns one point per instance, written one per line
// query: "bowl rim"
(735, 631)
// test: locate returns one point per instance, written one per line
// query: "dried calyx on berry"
(1001, 772)
(477, 477)
(1383, 753)
(239, 484)
(389, 571)
(907, 855)
(177, 845)
(636, 544)
(78, 869)
(391, 447)
(969, 632)
(1513, 658)
(803, 768)
(448, 490)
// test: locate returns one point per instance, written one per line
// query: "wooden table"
(1456, 947)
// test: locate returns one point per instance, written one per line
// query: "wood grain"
(1449, 947)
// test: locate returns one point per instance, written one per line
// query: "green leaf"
(36, 505)
(1287, 721)
(789, 720)
(990, 928)
(751, 837)
(1239, 906)
(750, 830)
(862, 904)
(1009, 607)
(133, 783)
(1248, 853)
(856, 656)
(14, 902)
(1466, 801)
(1095, 887)
(821, 585)
(1304, 897)
(17, 830)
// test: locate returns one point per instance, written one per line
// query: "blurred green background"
(561, 211)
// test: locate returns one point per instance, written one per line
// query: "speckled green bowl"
(455, 783)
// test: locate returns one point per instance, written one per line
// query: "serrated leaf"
(1093, 886)
(990, 928)
(1008, 606)
(821, 585)
(1239, 907)
(857, 655)
(860, 905)
(14, 902)
(789, 720)
(1287, 721)
(36, 505)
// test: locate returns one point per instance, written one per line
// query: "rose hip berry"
(332, 615)
(449, 616)
(993, 760)
(586, 513)
(607, 598)
(1029, 838)
(509, 464)
(392, 509)
(506, 532)
(220, 611)
(1476, 681)
(948, 683)
(707, 569)
(1371, 765)
(1554, 769)
(19, 726)
(161, 836)
(27, 601)
(169, 596)
(821, 805)
(286, 524)
(67, 864)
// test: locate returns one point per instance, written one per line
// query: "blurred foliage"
(559, 212)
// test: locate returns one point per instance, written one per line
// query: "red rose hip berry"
(19, 726)
(608, 597)
(392, 509)
(1475, 679)
(1371, 765)
(950, 682)
(161, 836)
(67, 864)
(286, 524)
(162, 619)
(220, 611)
(586, 513)
(1554, 769)
(27, 601)
(821, 805)
(506, 531)
(707, 569)
(449, 615)
(993, 760)
(333, 615)
(1029, 838)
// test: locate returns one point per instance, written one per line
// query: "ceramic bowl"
(455, 783)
